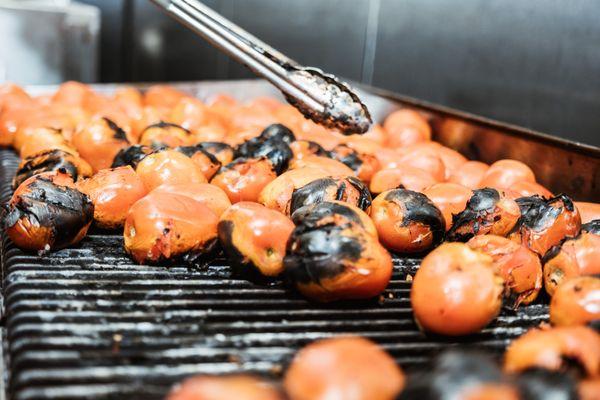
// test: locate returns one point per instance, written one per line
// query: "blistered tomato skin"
(576, 302)
(254, 238)
(331, 256)
(113, 192)
(350, 190)
(573, 257)
(224, 387)
(450, 198)
(44, 139)
(545, 222)
(555, 349)
(488, 211)
(52, 160)
(167, 226)
(99, 141)
(131, 155)
(210, 195)
(222, 151)
(345, 368)
(304, 148)
(208, 163)
(244, 178)
(168, 166)
(335, 211)
(165, 133)
(46, 212)
(279, 132)
(364, 165)
(272, 143)
(520, 268)
(456, 291)
(407, 221)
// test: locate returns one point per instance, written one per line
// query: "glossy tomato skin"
(469, 174)
(168, 226)
(545, 222)
(44, 139)
(113, 191)
(168, 166)
(588, 211)
(349, 189)
(47, 212)
(349, 367)
(331, 255)
(234, 387)
(576, 302)
(254, 239)
(504, 173)
(222, 151)
(131, 155)
(304, 148)
(329, 165)
(520, 267)
(574, 257)
(244, 178)
(407, 221)
(456, 291)
(208, 163)
(364, 165)
(99, 141)
(550, 348)
(488, 211)
(405, 177)
(52, 160)
(210, 195)
(165, 134)
(450, 198)
(405, 127)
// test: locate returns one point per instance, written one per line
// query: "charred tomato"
(99, 141)
(363, 165)
(131, 155)
(576, 302)
(222, 151)
(238, 387)
(350, 190)
(165, 133)
(52, 160)
(168, 166)
(208, 163)
(244, 178)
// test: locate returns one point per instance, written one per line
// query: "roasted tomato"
(113, 192)
(72, 93)
(505, 173)
(576, 302)
(275, 150)
(210, 195)
(254, 239)
(516, 264)
(588, 211)
(350, 190)
(363, 165)
(527, 189)
(423, 158)
(244, 178)
(165, 133)
(222, 151)
(405, 127)
(407, 221)
(401, 177)
(328, 165)
(459, 375)
(343, 368)
(278, 194)
(131, 155)
(488, 211)
(99, 141)
(539, 383)
(304, 148)
(332, 256)
(279, 132)
(574, 257)
(553, 348)
(165, 226)
(469, 174)
(44, 139)
(234, 387)
(545, 223)
(52, 160)
(46, 212)
(588, 389)
(163, 96)
(168, 166)
(450, 198)
(208, 163)
(452, 159)
(456, 291)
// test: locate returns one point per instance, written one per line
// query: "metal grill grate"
(87, 322)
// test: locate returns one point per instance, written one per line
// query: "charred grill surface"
(88, 322)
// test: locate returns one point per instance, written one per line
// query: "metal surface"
(87, 322)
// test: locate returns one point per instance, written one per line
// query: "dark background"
(535, 63)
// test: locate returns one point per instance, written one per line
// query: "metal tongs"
(319, 96)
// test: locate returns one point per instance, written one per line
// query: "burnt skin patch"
(328, 189)
(51, 160)
(275, 150)
(347, 156)
(221, 151)
(537, 213)
(131, 155)
(191, 150)
(317, 212)
(539, 383)
(479, 207)
(592, 227)
(118, 132)
(163, 125)
(279, 132)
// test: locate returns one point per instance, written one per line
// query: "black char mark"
(347, 156)
(592, 227)
(131, 155)
(274, 149)
(216, 148)
(538, 384)
(419, 209)
(278, 132)
(191, 150)
(318, 191)
(163, 124)
(313, 214)
(65, 211)
(481, 204)
(119, 133)
(51, 160)
(451, 375)
(538, 213)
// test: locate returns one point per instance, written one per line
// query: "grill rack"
(87, 322)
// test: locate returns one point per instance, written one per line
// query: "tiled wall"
(535, 63)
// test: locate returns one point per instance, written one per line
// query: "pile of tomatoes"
(281, 196)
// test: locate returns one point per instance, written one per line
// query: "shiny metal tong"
(319, 96)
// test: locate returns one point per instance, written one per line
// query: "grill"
(86, 322)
